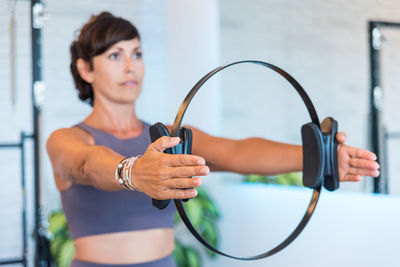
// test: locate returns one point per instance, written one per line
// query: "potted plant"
(292, 179)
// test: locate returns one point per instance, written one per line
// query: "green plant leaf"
(289, 179)
(194, 211)
(282, 180)
(210, 210)
(204, 195)
(210, 234)
(203, 214)
(67, 252)
(192, 257)
(293, 178)
(208, 207)
(179, 254)
(57, 223)
(55, 247)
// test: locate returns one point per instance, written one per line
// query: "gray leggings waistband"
(163, 262)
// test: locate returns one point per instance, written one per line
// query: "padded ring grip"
(320, 158)
(313, 155)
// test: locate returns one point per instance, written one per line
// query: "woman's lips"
(129, 83)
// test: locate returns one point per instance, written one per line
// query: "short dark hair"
(100, 33)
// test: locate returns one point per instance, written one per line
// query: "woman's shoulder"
(74, 133)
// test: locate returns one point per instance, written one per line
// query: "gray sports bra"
(90, 211)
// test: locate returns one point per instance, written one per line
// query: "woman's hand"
(166, 176)
(355, 162)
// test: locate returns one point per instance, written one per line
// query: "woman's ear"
(84, 70)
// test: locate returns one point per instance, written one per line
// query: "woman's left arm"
(266, 157)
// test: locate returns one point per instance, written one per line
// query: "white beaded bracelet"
(123, 173)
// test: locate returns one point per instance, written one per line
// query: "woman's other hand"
(354, 163)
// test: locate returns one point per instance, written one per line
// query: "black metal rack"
(386, 137)
(378, 136)
(42, 252)
(20, 146)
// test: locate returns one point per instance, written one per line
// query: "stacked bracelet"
(123, 173)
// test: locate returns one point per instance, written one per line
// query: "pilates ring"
(327, 159)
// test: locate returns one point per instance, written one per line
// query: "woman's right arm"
(77, 160)
(162, 176)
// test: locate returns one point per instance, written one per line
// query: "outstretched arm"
(266, 157)
(76, 159)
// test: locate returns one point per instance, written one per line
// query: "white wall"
(192, 43)
(324, 45)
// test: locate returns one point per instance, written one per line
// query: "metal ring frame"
(316, 192)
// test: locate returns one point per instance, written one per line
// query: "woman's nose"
(129, 64)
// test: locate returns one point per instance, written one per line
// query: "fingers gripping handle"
(329, 128)
(156, 131)
(184, 147)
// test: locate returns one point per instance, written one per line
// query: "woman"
(110, 225)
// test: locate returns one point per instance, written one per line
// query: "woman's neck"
(117, 119)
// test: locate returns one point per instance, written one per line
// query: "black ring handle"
(316, 192)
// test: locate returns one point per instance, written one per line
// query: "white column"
(192, 47)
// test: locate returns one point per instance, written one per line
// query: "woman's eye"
(137, 55)
(114, 56)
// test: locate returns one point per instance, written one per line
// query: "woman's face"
(117, 73)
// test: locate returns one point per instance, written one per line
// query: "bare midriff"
(125, 247)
